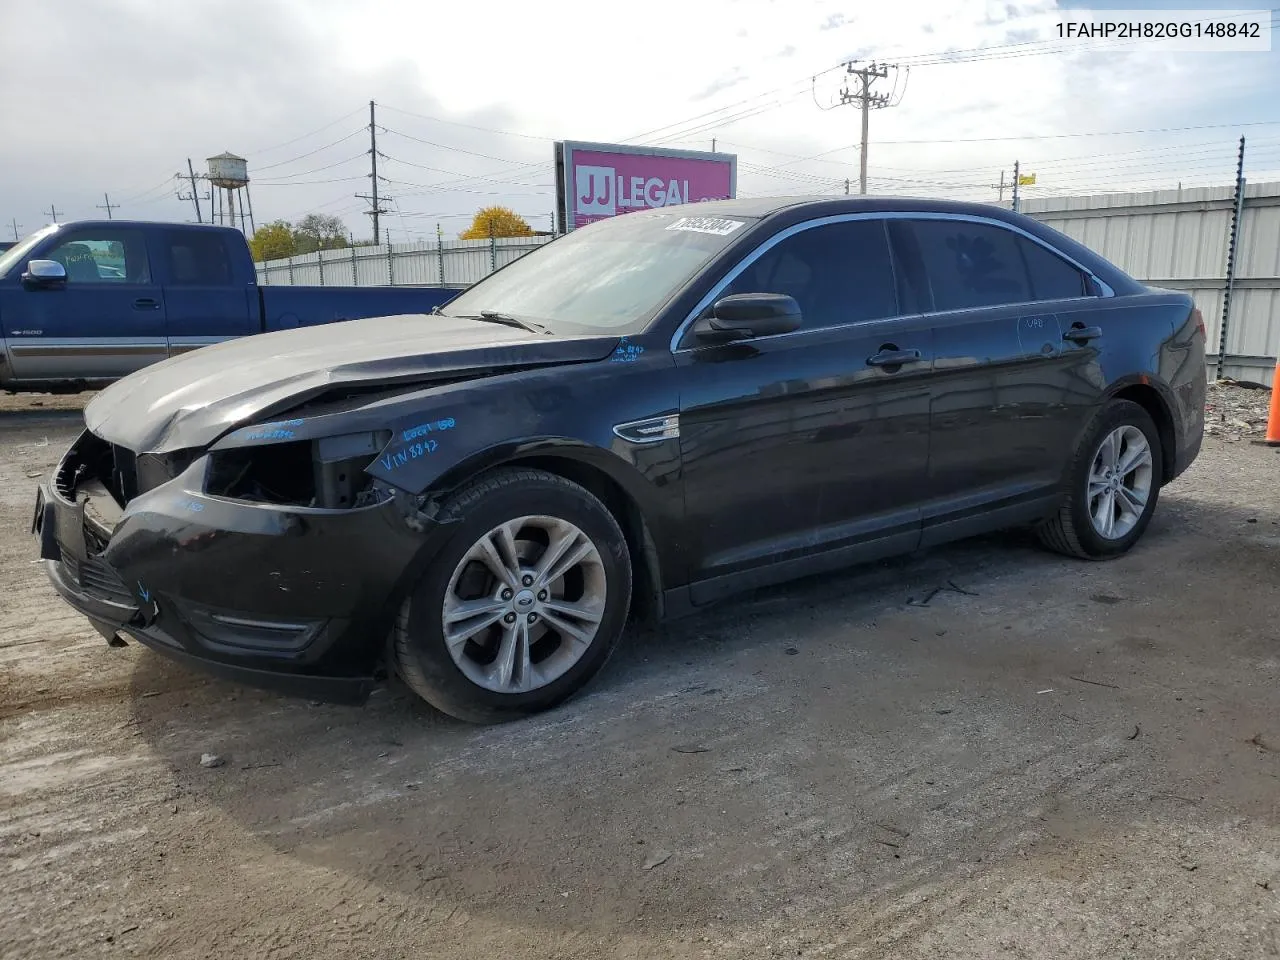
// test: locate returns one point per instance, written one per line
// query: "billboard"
(598, 180)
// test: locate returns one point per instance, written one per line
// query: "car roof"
(811, 205)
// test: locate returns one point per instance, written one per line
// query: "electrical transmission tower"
(858, 91)
(108, 206)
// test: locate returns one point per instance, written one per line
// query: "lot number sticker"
(718, 226)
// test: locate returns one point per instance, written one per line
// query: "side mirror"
(745, 315)
(44, 275)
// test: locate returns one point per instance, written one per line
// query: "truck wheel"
(523, 604)
(1113, 485)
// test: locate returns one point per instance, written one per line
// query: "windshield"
(606, 278)
(18, 254)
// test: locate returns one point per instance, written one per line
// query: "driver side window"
(839, 274)
(103, 256)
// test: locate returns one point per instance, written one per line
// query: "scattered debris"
(129, 929)
(896, 831)
(657, 860)
(1050, 690)
(691, 748)
(1265, 884)
(1233, 412)
(1188, 865)
(949, 585)
(1137, 731)
(151, 693)
(1096, 683)
(259, 766)
(1106, 598)
(1261, 744)
(791, 651)
(211, 760)
(887, 843)
(942, 712)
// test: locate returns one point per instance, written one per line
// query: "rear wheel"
(524, 603)
(1113, 485)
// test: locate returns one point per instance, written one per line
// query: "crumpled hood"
(192, 399)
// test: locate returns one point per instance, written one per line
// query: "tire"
(539, 510)
(1073, 530)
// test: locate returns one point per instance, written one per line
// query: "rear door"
(1007, 397)
(107, 321)
(206, 303)
(803, 444)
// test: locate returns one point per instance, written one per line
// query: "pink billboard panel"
(599, 180)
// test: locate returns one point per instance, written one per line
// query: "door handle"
(146, 303)
(1082, 334)
(892, 357)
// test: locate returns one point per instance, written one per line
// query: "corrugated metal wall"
(1169, 238)
(398, 264)
(1179, 239)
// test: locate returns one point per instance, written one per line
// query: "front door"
(806, 449)
(107, 321)
(203, 301)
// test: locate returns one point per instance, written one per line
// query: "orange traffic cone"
(1273, 417)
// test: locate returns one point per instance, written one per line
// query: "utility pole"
(1000, 186)
(1015, 186)
(846, 186)
(713, 144)
(108, 206)
(1233, 244)
(195, 193)
(375, 210)
(52, 212)
(862, 97)
(15, 224)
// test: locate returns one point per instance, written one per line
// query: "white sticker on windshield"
(715, 225)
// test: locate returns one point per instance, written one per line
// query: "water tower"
(229, 176)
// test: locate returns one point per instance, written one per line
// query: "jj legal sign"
(598, 180)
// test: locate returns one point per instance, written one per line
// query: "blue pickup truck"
(88, 302)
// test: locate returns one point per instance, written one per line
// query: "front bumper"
(295, 599)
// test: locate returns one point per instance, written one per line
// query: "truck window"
(103, 256)
(839, 273)
(197, 259)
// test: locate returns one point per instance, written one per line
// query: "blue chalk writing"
(626, 352)
(144, 593)
(422, 429)
(195, 506)
(279, 430)
(412, 451)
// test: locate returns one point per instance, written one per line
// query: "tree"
(273, 241)
(497, 222)
(318, 231)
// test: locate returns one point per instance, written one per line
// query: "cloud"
(128, 91)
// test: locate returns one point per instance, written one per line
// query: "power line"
(303, 173)
(331, 123)
(311, 153)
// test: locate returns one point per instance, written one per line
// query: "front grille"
(97, 579)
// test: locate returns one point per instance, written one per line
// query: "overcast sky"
(115, 96)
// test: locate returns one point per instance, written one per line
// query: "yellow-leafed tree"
(497, 222)
(272, 241)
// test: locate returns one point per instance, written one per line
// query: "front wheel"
(1113, 485)
(524, 603)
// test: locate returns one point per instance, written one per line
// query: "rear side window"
(1052, 278)
(198, 259)
(970, 264)
(839, 273)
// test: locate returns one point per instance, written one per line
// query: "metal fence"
(447, 262)
(1180, 239)
(1171, 238)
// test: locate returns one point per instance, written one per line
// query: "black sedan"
(640, 418)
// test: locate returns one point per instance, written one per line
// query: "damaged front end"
(271, 559)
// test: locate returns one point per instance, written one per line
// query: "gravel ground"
(1047, 759)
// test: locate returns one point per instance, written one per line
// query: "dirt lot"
(1057, 760)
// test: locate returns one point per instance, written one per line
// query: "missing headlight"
(325, 473)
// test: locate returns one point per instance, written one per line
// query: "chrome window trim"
(766, 246)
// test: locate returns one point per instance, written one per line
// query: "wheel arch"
(1144, 392)
(601, 473)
